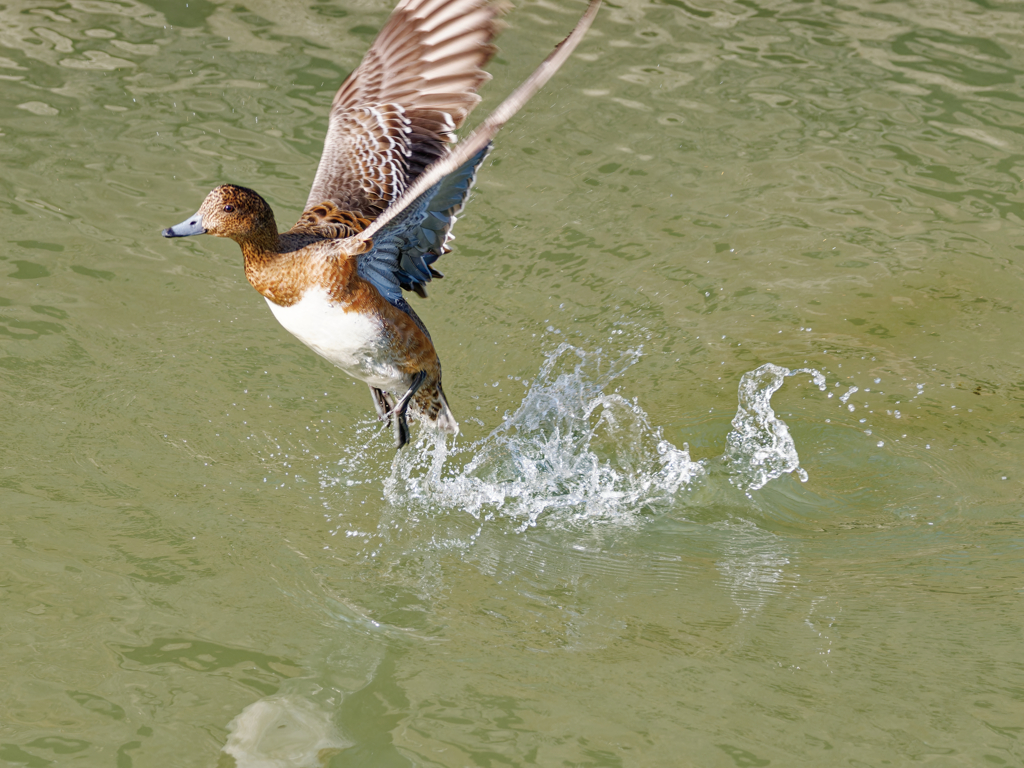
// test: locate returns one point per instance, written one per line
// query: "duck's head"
(229, 211)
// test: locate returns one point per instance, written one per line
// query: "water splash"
(760, 448)
(575, 453)
(571, 452)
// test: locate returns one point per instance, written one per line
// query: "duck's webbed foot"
(384, 404)
(401, 423)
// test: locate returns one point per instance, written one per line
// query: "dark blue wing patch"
(405, 248)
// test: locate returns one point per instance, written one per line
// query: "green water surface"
(210, 555)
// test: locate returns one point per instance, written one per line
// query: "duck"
(389, 186)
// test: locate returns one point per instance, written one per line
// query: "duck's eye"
(228, 208)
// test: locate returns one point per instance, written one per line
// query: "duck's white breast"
(354, 342)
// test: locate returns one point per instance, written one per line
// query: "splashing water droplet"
(570, 453)
(760, 447)
(575, 454)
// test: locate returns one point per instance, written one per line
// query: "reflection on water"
(284, 731)
(206, 537)
(753, 564)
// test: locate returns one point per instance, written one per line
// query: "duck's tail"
(430, 407)
(445, 421)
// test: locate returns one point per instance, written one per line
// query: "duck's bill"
(191, 226)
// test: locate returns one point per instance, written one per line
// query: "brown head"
(230, 211)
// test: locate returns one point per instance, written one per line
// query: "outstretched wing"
(482, 135)
(397, 112)
(402, 254)
(403, 245)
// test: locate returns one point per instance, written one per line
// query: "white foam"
(577, 453)
(571, 452)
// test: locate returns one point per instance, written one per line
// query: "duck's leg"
(401, 424)
(384, 404)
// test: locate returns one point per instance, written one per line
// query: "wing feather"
(406, 238)
(401, 257)
(480, 139)
(389, 181)
(425, 65)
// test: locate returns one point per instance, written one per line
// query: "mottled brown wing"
(396, 113)
(405, 240)
(327, 220)
(414, 198)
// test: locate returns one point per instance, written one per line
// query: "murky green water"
(210, 556)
